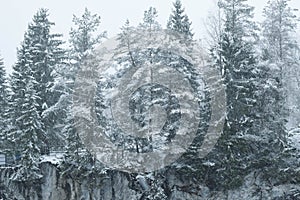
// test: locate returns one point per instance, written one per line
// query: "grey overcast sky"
(15, 16)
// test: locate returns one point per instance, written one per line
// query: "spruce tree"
(179, 22)
(46, 57)
(237, 62)
(278, 28)
(150, 19)
(254, 130)
(46, 53)
(280, 50)
(3, 105)
(28, 137)
(32, 85)
(17, 85)
(280, 56)
(243, 143)
(26, 134)
(31, 130)
(83, 39)
(84, 36)
(73, 141)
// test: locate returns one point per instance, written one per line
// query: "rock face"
(121, 186)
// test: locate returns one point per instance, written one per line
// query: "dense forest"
(259, 67)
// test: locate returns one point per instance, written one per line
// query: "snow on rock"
(54, 158)
(120, 186)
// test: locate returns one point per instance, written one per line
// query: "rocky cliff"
(113, 185)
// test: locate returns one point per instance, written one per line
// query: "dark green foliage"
(4, 97)
(179, 21)
(84, 37)
(32, 82)
(27, 130)
(249, 139)
(39, 110)
(42, 55)
(278, 27)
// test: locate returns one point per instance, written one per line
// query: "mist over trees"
(258, 63)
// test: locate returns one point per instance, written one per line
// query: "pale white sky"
(15, 16)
